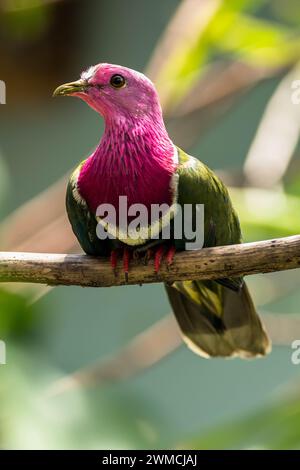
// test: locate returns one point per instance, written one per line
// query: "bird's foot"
(114, 261)
(114, 255)
(158, 254)
(170, 255)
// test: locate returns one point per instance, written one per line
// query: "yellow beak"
(70, 88)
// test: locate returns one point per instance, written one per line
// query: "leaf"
(189, 50)
(227, 31)
(27, 20)
(260, 42)
(17, 316)
(293, 187)
(266, 214)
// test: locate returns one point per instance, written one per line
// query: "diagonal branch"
(209, 263)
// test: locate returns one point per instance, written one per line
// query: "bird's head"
(115, 92)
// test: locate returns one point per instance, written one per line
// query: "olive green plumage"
(217, 318)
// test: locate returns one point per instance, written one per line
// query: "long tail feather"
(217, 321)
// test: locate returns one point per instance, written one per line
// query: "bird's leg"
(114, 255)
(159, 252)
(148, 255)
(166, 252)
(170, 255)
(114, 261)
(145, 252)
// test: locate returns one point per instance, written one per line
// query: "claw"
(157, 252)
(170, 255)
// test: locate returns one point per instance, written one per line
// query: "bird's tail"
(218, 321)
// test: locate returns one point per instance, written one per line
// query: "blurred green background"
(224, 71)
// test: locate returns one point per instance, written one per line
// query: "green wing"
(217, 318)
(199, 185)
(83, 221)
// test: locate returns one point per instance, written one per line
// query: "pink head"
(135, 153)
(116, 92)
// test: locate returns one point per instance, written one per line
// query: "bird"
(137, 159)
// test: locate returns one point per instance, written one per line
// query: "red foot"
(149, 255)
(158, 258)
(170, 255)
(113, 260)
(156, 253)
(126, 261)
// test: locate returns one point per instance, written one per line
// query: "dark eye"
(117, 81)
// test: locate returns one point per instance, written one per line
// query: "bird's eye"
(117, 81)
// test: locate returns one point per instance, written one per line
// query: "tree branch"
(209, 263)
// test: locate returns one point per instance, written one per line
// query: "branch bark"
(209, 263)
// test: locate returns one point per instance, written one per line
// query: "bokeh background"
(105, 368)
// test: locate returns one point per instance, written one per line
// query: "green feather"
(83, 222)
(217, 318)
